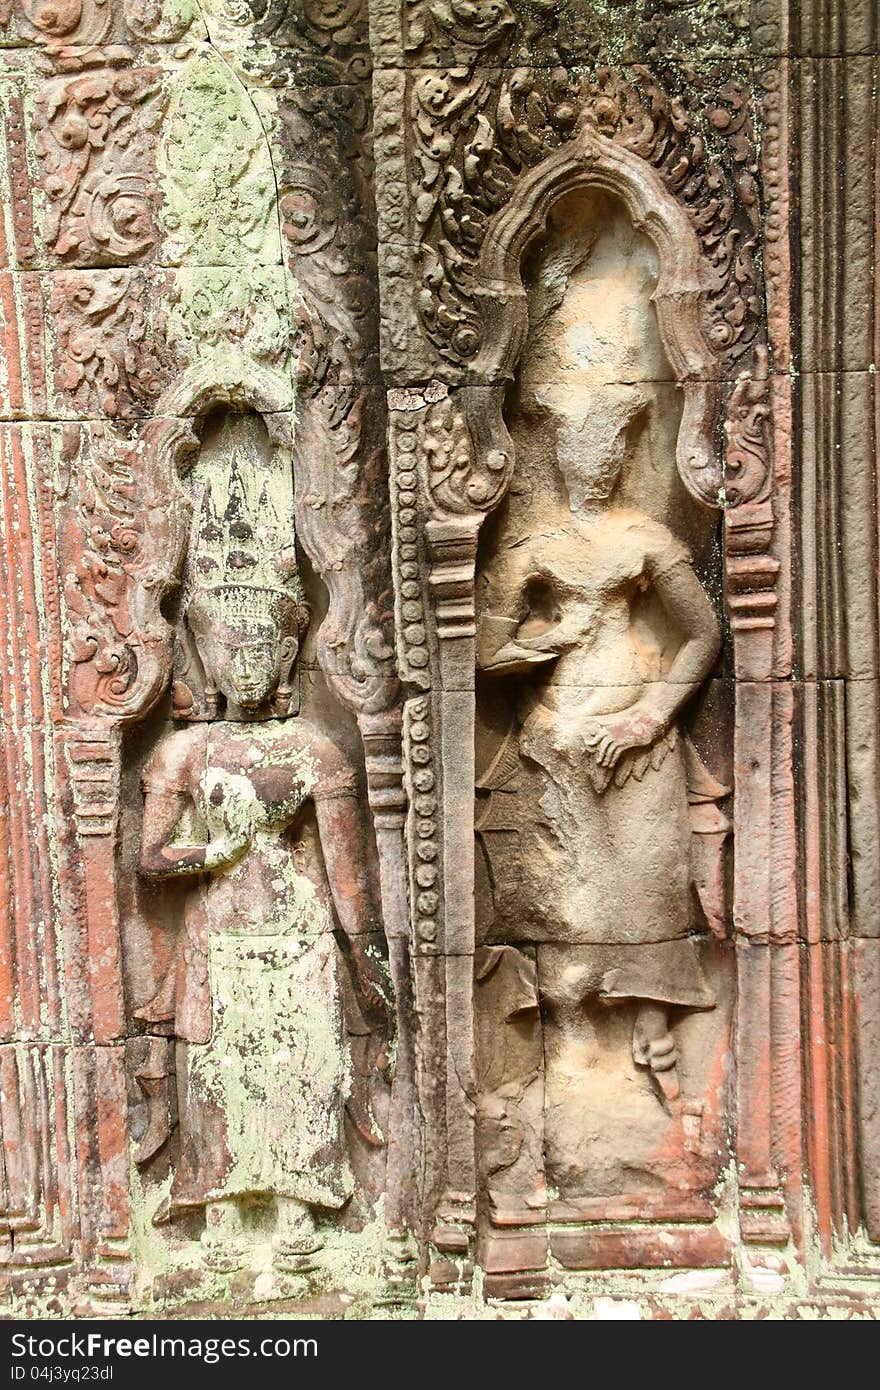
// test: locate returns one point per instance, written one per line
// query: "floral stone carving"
(439, 657)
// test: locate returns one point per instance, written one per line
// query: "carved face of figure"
(593, 352)
(248, 655)
(591, 450)
(246, 665)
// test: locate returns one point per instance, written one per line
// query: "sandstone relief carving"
(255, 812)
(599, 822)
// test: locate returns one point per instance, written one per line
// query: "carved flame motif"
(474, 138)
(746, 461)
(124, 542)
(339, 457)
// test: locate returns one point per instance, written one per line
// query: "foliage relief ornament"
(107, 360)
(473, 139)
(325, 203)
(120, 552)
(95, 134)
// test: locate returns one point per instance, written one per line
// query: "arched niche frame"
(355, 657)
(123, 538)
(167, 446)
(122, 546)
(466, 459)
(589, 161)
(354, 668)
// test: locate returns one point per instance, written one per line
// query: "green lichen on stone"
(152, 1253)
(216, 172)
(234, 306)
(232, 329)
(231, 29)
(181, 13)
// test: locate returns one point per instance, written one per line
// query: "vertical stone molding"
(439, 658)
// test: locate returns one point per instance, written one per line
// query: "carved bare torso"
(263, 1110)
(606, 853)
(252, 782)
(591, 571)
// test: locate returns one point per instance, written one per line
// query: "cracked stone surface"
(440, 659)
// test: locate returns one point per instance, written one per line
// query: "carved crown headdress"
(242, 556)
(234, 605)
(242, 570)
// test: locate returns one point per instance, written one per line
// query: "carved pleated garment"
(604, 855)
(258, 998)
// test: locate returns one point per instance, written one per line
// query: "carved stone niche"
(575, 645)
(251, 928)
(603, 984)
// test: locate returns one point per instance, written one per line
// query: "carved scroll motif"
(96, 136)
(474, 141)
(324, 202)
(124, 545)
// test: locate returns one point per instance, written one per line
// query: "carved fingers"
(226, 849)
(605, 749)
(372, 984)
(608, 736)
(517, 657)
(540, 641)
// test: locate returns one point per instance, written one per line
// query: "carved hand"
(226, 849)
(608, 736)
(371, 983)
(517, 656)
(504, 650)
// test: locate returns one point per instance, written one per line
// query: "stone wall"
(440, 657)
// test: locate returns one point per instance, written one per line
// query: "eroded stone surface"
(440, 659)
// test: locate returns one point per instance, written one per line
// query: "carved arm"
(686, 603)
(500, 650)
(341, 836)
(637, 726)
(160, 859)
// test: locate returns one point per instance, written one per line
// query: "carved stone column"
(832, 130)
